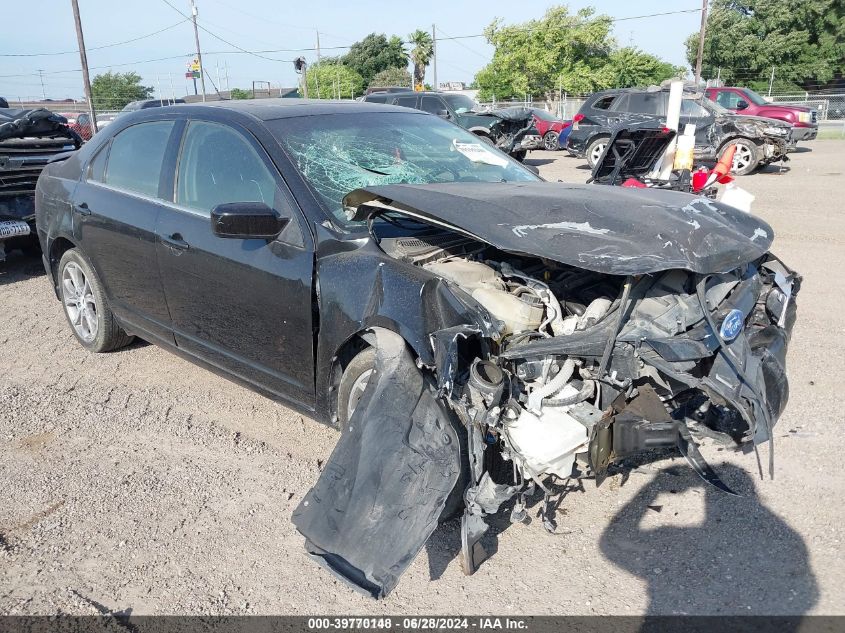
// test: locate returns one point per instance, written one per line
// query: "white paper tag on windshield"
(477, 153)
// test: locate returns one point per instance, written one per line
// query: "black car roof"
(269, 109)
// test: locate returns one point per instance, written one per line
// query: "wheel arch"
(58, 247)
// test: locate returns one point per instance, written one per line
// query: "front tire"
(595, 149)
(85, 306)
(746, 158)
(551, 142)
(353, 381)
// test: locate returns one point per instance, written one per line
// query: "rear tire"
(595, 149)
(85, 306)
(520, 155)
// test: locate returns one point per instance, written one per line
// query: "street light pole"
(83, 59)
(434, 56)
(701, 42)
(199, 54)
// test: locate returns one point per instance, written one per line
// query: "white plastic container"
(547, 443)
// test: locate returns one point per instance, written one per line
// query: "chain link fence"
(830, 107)
(564, 108)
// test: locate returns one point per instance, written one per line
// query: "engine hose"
(586, 391)
(536, 397)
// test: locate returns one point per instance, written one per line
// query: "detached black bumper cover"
(386, 484)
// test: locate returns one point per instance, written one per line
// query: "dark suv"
(513, 133)
(759, 141)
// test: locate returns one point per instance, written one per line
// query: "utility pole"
(318, 47)
(434, 56)
(771, 81)
(41, 77)
(199, 54)
(83, 59)
(701, 42)
(226, 69)
(217, 67)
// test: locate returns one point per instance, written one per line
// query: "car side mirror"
(741, 104)
(444, 114)
(246, 220)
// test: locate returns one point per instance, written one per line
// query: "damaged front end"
(29, 139)
(596, 354)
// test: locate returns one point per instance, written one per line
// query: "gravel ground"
(137, 481)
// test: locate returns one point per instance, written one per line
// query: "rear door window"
(647, 103)
(406, 102)
(136, 157)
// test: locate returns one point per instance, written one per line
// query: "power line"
(95, 48)
(215, 36)
(529, 29)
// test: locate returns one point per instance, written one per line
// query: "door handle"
(82, 208)
(175, 242)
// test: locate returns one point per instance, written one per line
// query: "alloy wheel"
(550, 141)
(79, 301)
(598, 150)
(742, 157)
(357, 391)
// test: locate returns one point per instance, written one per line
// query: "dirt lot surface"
(135, 480)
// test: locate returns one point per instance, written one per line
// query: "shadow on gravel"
(775, 169)
(740, 555)
(20, 267)
(538, 161)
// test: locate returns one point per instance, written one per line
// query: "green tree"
(391, 77)
(327, 80)
(421, 53)
(629, 67)
(112, 91)
(803, 41)
(559, 51)
(374, 54)
(239, 93)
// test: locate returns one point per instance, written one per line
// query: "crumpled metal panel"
(611, 230)
(386, 484)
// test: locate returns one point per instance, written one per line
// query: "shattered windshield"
(461, 103)
(339, 153)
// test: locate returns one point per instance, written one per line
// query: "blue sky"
(267, 24)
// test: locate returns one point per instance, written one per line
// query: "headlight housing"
(804, 117)
(775, 131)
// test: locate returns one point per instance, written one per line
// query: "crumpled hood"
(612, 230)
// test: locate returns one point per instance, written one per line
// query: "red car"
(804, 124)
(79, 122)
(552, 130)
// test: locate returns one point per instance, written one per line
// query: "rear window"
(604, 103)
(376, 98)
(136, 157)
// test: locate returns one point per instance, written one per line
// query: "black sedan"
(474, 331)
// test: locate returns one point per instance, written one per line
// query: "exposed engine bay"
(581, 337)
(593, 368)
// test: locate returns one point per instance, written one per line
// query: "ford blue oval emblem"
(731, 326)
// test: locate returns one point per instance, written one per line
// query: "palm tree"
(421, 54)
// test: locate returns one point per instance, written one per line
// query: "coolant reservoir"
(518, 313)
(547, 443)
